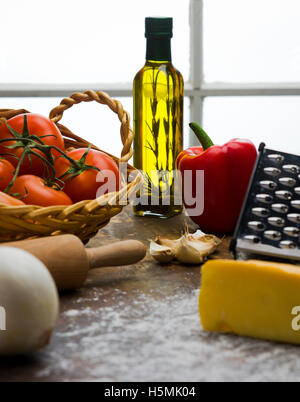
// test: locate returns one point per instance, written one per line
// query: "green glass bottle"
(158, 122)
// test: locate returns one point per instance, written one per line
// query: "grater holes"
(265, 198)
(284, 195)
(287, 181)
(291, 231)
(256, 225)
(287, 244)
(261, 212)
(295, 204)
(272, 171)
(272, 234)
(277, 158)
(280, 208)
(276, 221)
(294, 218)
(294, 169)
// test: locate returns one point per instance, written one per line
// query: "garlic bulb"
(29, 298)
(188, 249)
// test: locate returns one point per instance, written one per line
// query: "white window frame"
(196, 88)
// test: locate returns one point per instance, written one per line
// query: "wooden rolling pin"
(69, 261)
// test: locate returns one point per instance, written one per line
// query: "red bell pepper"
(227, 171)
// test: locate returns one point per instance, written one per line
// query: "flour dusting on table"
(146, 341)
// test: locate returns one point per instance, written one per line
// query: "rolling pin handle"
(125, 252)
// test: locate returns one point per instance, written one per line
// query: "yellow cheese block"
(253, 298)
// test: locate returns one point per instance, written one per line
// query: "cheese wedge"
(252, 298)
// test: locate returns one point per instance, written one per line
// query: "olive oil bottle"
(158, 123)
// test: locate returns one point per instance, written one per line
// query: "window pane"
(92, 121)
(84, 41)
(252, 40)
(273, 120)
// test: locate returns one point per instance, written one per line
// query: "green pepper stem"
(203, 138)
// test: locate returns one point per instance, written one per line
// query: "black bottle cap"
(158, 27)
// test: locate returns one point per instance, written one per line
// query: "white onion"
(29, 296)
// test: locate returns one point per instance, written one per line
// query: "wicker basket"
(84, 218)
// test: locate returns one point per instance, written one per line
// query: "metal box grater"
(269, 222)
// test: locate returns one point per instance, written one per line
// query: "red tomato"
(6, 173)
(38, 126)
(9, 200)
(87, 185)
(33, 191)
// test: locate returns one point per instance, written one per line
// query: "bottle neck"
(159, 49)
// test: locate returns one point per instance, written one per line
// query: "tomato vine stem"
(31, 144)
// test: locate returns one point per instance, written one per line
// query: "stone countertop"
(141, 323)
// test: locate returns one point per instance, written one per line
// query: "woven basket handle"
(101, 97)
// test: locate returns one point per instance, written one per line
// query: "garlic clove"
(188, 252)
(197, 234)
(160, 252)
(194, 251)
(191, 248)
(208, 238)
(172, 244)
